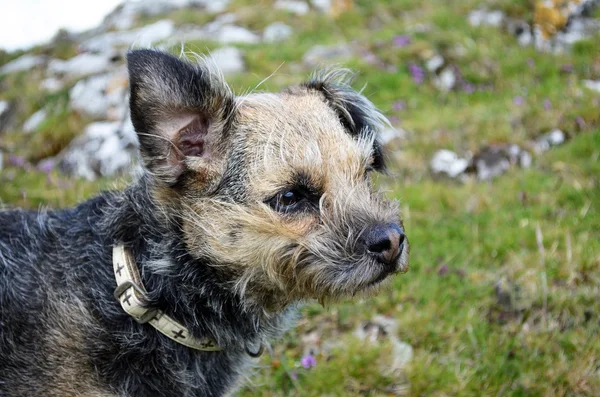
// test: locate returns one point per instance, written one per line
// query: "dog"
(247, 207)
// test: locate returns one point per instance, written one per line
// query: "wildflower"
(18, 161)
(519, 101)
(417, 73)
(547, 104)
(308, 361)
(402, 41)
(399, 106)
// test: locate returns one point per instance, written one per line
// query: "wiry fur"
(212, 252)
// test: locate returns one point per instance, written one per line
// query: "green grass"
(533, 232)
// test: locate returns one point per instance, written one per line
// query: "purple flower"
(417, 73)
(308, 361)
(580, 122)
(443, 270)
(469, 88)
(294, 375)
(547, 104)
(519, 101)
(46, 165)
(18, 161)
(402, 41)
(399, 106)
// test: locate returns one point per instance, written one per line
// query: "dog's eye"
(286, 200)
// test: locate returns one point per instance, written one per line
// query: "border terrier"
(247, 207)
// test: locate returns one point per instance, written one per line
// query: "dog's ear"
(357, 114)
(180, 112)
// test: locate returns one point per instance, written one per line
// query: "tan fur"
(287, 134)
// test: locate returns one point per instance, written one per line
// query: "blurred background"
(494, 156)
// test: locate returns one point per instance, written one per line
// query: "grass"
(502, 295)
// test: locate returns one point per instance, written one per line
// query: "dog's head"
(274, 190)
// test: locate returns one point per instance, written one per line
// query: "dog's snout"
(385, 242)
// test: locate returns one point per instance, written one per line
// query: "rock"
(520, 29)
(82, 65)
(390, 134)
(491, 162)
(7, 113)
(225, 34)
(486, 18)
(324, 6)
(52, 84)
(593, 85)
(35, 120)
(104, 149)
(277, 31)
(293, 6)
(100, 96)
(320, 54)
(525, 159)
(236, 34)
(548, 140)
(446, 80)
(146, 36)
(448, 163)
(229, 60)
(435, 63)
(382, 328)
(23, 63)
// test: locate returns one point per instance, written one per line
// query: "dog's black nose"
(385, 242)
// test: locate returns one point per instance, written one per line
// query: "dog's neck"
(188, 289)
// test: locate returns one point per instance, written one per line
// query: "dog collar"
(132, 295)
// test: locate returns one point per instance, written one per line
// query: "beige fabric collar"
(130, 292)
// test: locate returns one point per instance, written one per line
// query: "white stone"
(555, 137)
(35, 120)
(446, 80)
(321, 5)
(82, 65)
(593, 85)
(447, 162)
(403, 354)
(293, 6)
(4, 106)
(525, 159)
(52, 84)
(23, 63)
(485, 18)
(277, 31)
(229, 60)
(146, 36)
(320, 54)
(434, 63)
(104, 149)
(236, 34)
(389, 134)
(93, 98)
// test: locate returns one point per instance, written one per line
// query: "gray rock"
(545, 142)
(321, 54)
(525, 159)
(98, 98)
(434, 63)
(390, 134)
(229, 60)
(82, 65)
(35, 120)
(293, 6)
(236, 34)
(448, 163)
(104, 149)
(23, 63)
(322, 5)
(446, 80)
(52, 84)
(146, 36)
(277, 31)
(7, 113)
(486, 18)
(593, 85)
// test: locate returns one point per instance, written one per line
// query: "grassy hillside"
(502, 298)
